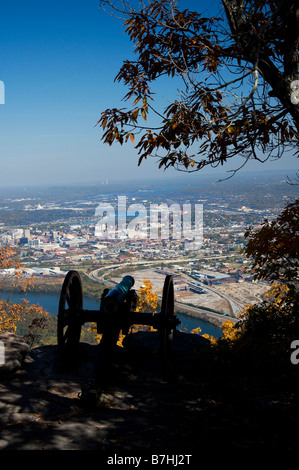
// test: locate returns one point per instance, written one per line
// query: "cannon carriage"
(117, 313)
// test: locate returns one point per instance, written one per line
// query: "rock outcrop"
(13, 352)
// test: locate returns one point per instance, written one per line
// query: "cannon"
(117, 313)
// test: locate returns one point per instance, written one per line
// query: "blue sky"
(58, 61)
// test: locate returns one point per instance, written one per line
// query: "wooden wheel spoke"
(68, 300)
(167, 326)
(68, 324)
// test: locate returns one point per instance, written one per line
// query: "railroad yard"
(212, 297)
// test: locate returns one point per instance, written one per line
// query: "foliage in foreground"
(235, 79)
(22, 318)
(262, 338)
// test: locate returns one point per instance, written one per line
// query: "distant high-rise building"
(17, 233)
(54, 234)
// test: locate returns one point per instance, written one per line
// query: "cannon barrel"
(112, 302)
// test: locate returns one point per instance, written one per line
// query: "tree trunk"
(251, 42)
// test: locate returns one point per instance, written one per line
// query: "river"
(49, 301)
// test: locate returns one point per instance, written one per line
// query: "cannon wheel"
(68, 319)
(167, 325)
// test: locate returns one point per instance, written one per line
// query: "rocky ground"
(184, 408)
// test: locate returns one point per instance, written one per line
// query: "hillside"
(192, 406)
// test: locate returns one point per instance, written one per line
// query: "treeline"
(16, 217)
(53, 285)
